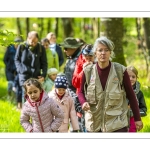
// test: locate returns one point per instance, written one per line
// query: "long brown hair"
(133, 69)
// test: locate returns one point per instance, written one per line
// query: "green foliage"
(2, 74)
(146, 119)
(130, 26)
(6, 37)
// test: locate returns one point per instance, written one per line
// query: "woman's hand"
(87, 63)
(139, 125)
(86, 106)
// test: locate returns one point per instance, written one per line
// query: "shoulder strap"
(120, 71)
(87, 71)
(23, 46)
(40, 46)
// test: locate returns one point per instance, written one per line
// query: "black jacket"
(141, 99)
(30, 63)
(69, 68)
(10, 67)
(60, 55)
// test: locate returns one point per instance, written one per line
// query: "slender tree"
(48, 25)
(141, 41)
(146, 26)
(27, 26)
(67, 25)
(56, 26)
(41, 27)
(19, 31)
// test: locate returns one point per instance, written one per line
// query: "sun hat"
(61, 82)
(52, 71)
(71, 42)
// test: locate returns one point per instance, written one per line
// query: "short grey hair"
(105, 41)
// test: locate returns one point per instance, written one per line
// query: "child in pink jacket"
(65, 101)
(38, 111)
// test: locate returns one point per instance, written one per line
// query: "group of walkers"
(93, 94)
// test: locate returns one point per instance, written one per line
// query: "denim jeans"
(23, 99)
(9, 87)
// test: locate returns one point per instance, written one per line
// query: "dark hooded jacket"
(10, 68)
(30, 63)
(140, 99)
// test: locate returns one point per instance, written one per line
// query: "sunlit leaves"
(6, 37)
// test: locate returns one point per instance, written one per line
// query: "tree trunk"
(113, 29)
(67, 25)
(41, 28)
(19, 32)
(48, 25)
(56, 26)
(98, 19)
(85, 28)
(141, 43)
(27, 26)
(95, 28)
(146, 26)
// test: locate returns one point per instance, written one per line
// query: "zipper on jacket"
(39, 117)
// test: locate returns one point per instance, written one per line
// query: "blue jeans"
(23, 99)
(10, 86)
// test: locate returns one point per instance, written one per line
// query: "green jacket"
(53, 61)
(48, 84)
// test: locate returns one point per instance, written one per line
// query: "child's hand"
(87, 63)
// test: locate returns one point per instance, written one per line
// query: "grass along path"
(9, 118)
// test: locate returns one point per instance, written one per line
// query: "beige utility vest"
(108, 107)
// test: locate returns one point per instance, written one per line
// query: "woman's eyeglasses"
(103, 50)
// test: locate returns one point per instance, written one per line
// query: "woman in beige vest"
(104, 88)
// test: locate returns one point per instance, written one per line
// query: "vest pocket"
(113, 120)
(90, 97)
(115, 99)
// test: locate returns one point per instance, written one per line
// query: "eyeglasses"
(103, 50)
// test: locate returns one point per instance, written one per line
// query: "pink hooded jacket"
(38, 116)
(67, 105)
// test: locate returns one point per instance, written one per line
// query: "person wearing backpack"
(31, 60)
(104, 88)
(10, 68)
